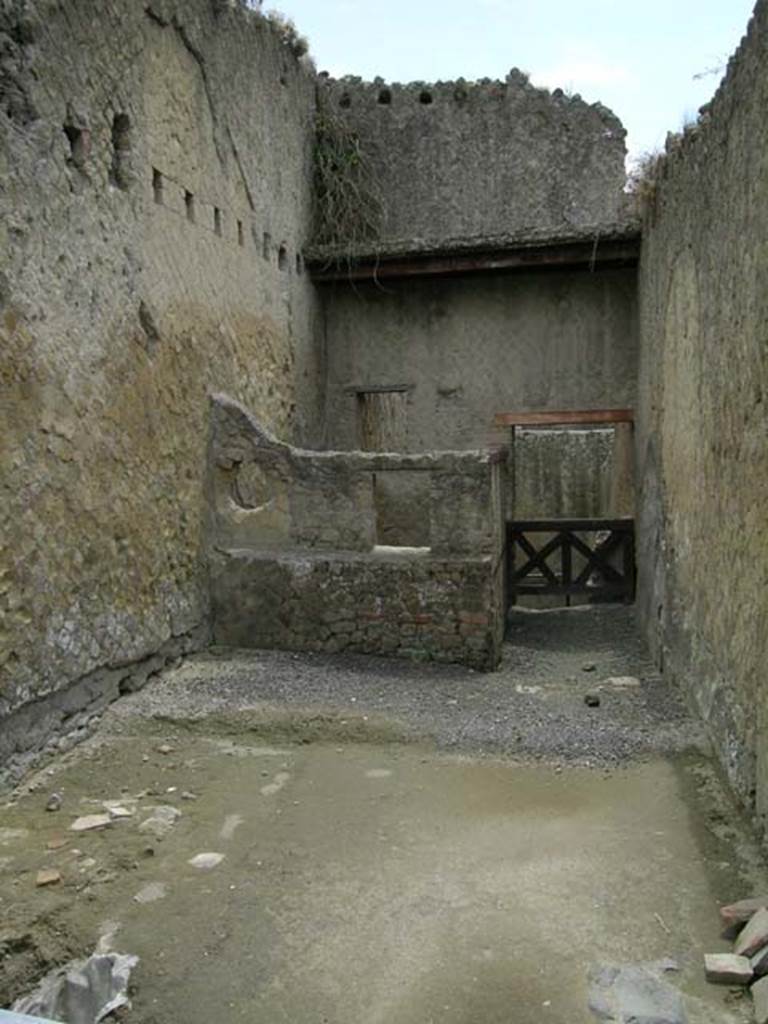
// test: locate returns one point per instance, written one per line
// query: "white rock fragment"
(231, 824)
(151, 892)
(622, 682)
(118, 813)
(161, 821)
(107, 936)
(90, 822)
(206, 861)
(276, 785)
(727, 969)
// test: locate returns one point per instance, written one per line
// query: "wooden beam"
(586, 255)
(563, 418)
(515, 526)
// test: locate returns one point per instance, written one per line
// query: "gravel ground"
(534, 707)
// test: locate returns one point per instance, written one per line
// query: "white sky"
(638, 59)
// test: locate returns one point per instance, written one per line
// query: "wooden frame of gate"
(606, 554)
(592, 558)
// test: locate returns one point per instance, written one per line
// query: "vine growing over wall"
(348, 205)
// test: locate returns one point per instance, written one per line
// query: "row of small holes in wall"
(158, 190)
(80, 144)
(385, 98)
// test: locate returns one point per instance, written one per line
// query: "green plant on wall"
(348, 211)
(643, 181)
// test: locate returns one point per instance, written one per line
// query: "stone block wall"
(155, 198)
(419, 607)
(296, 561)
(455, 162)
(702, 428)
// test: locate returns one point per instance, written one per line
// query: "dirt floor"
(398, 843)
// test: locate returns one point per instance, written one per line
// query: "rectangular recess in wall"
(189, 205)
(217, 221)
(382, 415)
(401, 501)
(365, 389)
(240, 234)
(157, 185)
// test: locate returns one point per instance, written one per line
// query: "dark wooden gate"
(567, 557)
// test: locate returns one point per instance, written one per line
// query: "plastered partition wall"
(702, 437)
(298, 561)
(463, 349)
(155, 196)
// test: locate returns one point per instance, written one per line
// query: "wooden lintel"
(376, 389)
(563, 418)
(584, 255)
(594, 525)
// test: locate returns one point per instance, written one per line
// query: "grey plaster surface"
(471, 347)
(702, 429)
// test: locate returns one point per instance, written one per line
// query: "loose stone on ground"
(161, 821)
(206, 861)
(90, 822)
(630, 994)
(735, 915)
(47, 877)
(727, 969)
(754, 936)
(151, 892)
(760, 999)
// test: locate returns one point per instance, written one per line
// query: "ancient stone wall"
(297, 562)
(462, 161)
(155, 197)
(702, 430)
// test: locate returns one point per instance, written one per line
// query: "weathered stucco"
(469, 348)
(464, 349)
(702, 432)
(123, 300)
(456, 161)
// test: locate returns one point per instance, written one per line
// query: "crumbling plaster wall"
(121, 304)
(480, 160)
(702, 432)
